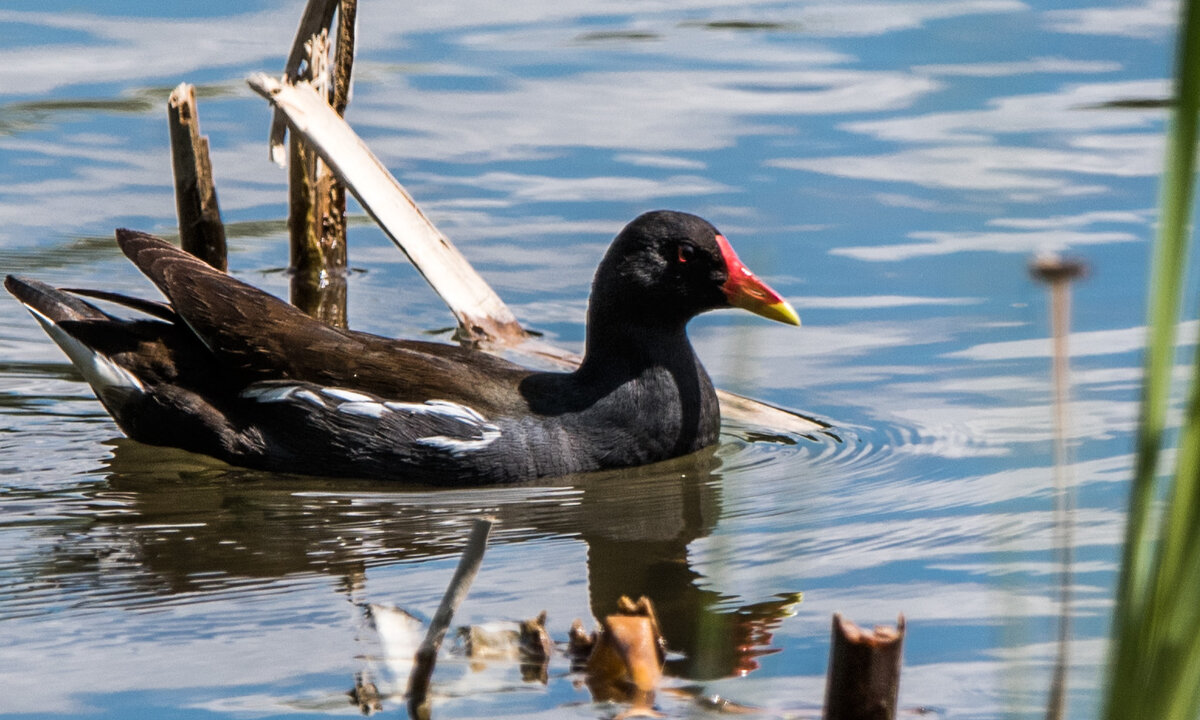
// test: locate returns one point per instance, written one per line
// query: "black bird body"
(228, 370)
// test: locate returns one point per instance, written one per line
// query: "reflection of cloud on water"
(1047, 65)
(859, 19)
(963, 149)
(1002, 488)
(943, 243)
(526, 116)
(1069, 110)
(1150, 19)
(203, 646)
(961, 603)
(830, 19)
(1020, 174)
(652, 112)
(124, 51)
(986, 400)
(661, 35)
(544, 188)
(118, 49)
(978, 689)
(1083, 344)
(768, 345)
(745, 556)
(660, 161)
(1050, 234)
(202, 652)
(1031, 388)
(1079, 220)
(108, 179)
(871, 302)
(961, 429)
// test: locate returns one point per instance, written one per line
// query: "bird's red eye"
(685, 252)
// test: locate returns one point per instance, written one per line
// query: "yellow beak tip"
(781, 312)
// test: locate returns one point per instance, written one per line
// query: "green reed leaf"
(1154, 664)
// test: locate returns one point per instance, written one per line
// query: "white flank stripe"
(444, 408)
(311, 397)
(347, 395)
(455, 410)
(270, 393)
(458, 447)
(365, 409)
(478, 433)
(418, 408)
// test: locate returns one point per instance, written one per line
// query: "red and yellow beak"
(746, 291)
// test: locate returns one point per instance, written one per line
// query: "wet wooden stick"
(201, 231)
(483, 317)
(317, 212)
(863, 682)
(456, 592)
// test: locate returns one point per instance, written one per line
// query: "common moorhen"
(230, 371)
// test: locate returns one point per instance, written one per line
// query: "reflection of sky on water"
(889, 166)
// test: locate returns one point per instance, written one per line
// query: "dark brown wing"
(259, 337)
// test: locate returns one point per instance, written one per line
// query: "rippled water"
(890, 167)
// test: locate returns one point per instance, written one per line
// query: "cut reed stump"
(863, 681)
(316, 198)
(201, 231)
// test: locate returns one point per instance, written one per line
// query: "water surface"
(890, 167)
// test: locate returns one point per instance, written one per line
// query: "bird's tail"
(59, 314)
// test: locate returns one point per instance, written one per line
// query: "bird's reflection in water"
(637, 525)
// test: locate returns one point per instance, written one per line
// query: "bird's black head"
(666, 267)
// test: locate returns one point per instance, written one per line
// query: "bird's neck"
(653, 376)
(632, 346)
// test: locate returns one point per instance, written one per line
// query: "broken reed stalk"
(1058, 273)
(456, 592)
(316, 198)
(343, 60)
(201, 231)
(482, 316)
(863, 681)
(317, 210)
(317, 16)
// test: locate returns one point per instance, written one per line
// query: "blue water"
(889, 167)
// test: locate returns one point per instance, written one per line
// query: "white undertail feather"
(99, 371)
